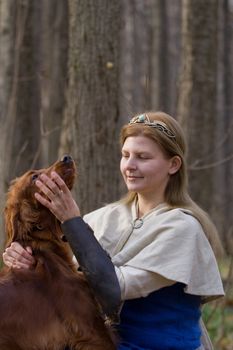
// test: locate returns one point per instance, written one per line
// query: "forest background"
(72, 72)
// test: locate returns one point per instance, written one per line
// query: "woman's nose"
(131, 164)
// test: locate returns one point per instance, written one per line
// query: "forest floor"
(218, 315)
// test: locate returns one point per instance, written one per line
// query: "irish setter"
(51, 306)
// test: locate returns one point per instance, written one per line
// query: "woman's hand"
(58, 198)
(17, 257)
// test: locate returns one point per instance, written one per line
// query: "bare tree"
(134, 57)
(164, 54)
(150, 56)
(90, 130)
(228, 111)
(53, 74)
(7, 19)
(32, 79)
(197, 93)
(224, 126)
(21, 93)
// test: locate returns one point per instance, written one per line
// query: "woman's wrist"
(70, 217)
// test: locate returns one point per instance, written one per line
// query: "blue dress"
(167, 319)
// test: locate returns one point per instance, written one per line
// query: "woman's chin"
(134, 188)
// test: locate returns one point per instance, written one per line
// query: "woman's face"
(144, 167)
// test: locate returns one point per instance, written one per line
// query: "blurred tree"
(150, 56)
(53, 73)
(227, 156)
(164, 54)
(21, 100)
(223, 170)
(32, 78)
(134, 57)
(23, 117)
(159, 68)
(197, 94)
(90, 130)
(36, 67)
(7, 19)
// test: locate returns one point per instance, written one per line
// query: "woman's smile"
(133, 177)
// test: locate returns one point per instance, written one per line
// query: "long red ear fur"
(11, 224)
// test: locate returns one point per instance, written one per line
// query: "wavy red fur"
(51, 306)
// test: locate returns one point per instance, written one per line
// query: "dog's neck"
(40, 246)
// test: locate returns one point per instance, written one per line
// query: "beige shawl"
(170, 243)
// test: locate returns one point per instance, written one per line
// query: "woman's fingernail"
(38, 183)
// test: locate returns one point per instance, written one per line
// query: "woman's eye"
(142, 156)
(34, 177)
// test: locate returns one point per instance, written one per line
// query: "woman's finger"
(19, 265)
(17, 256)
(43, 201)
(60, 183)
(59, 199)
(29, 250)
(56, 208)
(18, 252)
(44, 187)
(16, 259)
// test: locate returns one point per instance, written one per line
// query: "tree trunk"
(35, 110)
(22, 115)
(150, 47)
(28, 98)
(224, 127)
(197, 94)
(7, 30)
(29, 53)
(228, 112)
(159, 69)
(19, 121)
(91, 122)
(134, 60)
(53, 74)
(164, 55)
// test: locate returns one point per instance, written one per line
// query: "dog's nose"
(66, 159)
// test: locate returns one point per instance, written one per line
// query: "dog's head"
(25, 218)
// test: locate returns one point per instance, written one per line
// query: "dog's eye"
(34, 177)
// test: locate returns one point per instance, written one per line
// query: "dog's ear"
(19, 221)
(11, 224)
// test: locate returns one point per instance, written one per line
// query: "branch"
(211, 165)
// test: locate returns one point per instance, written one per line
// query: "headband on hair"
(145, 120)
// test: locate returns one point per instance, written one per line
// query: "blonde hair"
(176, 193)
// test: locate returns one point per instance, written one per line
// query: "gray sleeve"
(95, 264)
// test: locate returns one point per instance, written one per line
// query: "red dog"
(51, 306)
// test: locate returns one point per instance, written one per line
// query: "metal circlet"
(144, 119)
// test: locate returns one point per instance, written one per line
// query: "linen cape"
(170, 243)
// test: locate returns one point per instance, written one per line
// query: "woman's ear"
(175, 164)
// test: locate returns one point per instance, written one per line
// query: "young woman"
(151, 260)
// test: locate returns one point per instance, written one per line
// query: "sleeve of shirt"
(136, 283)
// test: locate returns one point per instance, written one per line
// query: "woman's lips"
(132, 177)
